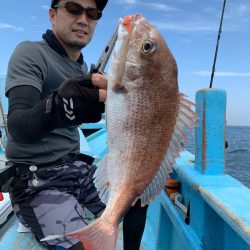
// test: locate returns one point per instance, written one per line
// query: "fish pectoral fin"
(101, 181)
(96, 236)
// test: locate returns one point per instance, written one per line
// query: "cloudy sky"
(190, 28)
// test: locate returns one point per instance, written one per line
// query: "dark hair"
(53, 3)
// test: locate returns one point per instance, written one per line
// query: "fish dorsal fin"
(185, 120)
(101, 180)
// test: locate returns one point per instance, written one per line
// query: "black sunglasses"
(76, 9)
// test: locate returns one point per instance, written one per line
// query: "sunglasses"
(76, 9)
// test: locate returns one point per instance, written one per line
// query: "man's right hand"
(100, 81)
(80, 99)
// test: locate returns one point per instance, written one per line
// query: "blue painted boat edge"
(153, 235)
(209, 188)
(222, 193)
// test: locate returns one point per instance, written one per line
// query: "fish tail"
(98, 235)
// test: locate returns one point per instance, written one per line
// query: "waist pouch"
(12, 170)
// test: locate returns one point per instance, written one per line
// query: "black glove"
(76, 101)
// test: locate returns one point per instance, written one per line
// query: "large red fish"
(146, 116)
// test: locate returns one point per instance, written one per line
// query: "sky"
(189, 27)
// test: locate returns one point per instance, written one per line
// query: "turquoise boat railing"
(217, 204)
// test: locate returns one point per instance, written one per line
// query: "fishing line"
(217, 45)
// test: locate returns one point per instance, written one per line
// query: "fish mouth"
(124, 33)
(133, 18)
(127, 26)
(129, 22)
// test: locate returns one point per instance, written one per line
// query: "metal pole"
(217, 46)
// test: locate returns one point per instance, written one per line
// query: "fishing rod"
(217, 45)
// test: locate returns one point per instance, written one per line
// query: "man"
(50, 93)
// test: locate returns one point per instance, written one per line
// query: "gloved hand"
(80, 99)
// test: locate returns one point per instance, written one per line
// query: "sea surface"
(237, 153)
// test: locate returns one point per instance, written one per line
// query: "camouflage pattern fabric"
(56, 205)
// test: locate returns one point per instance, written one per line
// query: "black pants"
(133, 226)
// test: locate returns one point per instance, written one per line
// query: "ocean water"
(237, 153)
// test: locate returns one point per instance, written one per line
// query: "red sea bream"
(146, 116)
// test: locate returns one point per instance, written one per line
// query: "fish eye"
(148, 47)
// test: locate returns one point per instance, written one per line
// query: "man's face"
(74, 32)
